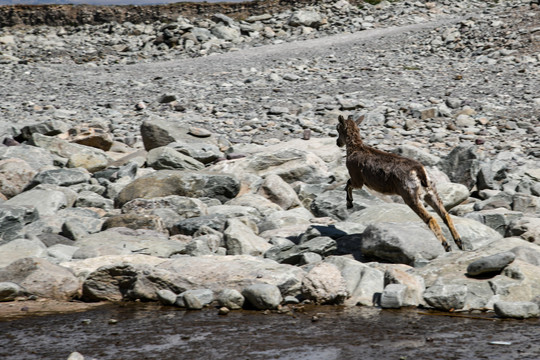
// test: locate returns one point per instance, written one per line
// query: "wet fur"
(391, 174)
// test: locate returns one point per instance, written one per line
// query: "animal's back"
(385, 172)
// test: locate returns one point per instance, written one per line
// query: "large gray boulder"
(257, 201)
(324, 284)
(325, 148)
(498, 219)
(234, 272)
(203, 152)
(135, 222)
(400, 243)
(462, 165)
(528, 204)
(290, 164)
(473, 234)
(452, 194)
(13, 219)
(167, 158)
(275, 189)
(527, 228)
(49, 127)
(190, 226)
(46, 202)
(236, 211)
(362, 281)
(308, 18)
(414, 284)
(170, 209)
(73, 223)
(516, 310)
(91, 199)
(491, 174)
(518, 281)
(59, 253)
(166, 297)
(15, 176)
(84, 267)
(322, 245)
(111, 283)
(418, 154)
(10, 291)
(527, 254)
(231, 299)
(36, 157)
(195, 299)
(241, 240)
(183, 183)
(41, 278)
(226, 32)
(263, 296)
(446, 297)
(286, 218)
(19, 249)
(393, 296)
(86, 157)
(333, 203)
(285, 251)
(123, 278)
(158, 132)
(61, 177)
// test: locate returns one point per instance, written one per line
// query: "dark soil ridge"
(74, 15)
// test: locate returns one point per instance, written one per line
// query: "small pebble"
(223, 310)
(199, 132)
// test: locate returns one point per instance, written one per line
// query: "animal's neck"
(353, 142)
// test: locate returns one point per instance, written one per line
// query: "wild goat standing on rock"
(392, 174)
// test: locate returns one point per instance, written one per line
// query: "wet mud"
(149, 331)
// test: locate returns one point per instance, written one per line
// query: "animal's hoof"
(447, 247)
(459, 243)
(349, 205)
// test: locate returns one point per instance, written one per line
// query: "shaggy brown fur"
(392, 174)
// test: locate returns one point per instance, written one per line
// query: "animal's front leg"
(348, 189)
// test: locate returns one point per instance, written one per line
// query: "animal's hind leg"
(433, 199)
(417, 206)
(348, 189)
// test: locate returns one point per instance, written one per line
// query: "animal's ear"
(341, 119)
(360, 119)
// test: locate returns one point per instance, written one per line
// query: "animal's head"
(346, 127)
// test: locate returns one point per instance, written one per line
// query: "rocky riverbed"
(194, 163)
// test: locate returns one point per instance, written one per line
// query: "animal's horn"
(360, 119)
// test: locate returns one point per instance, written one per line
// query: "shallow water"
(149, 331)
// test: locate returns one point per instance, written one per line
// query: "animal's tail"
(423, 176)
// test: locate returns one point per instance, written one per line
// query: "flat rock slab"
(184, 183)
(235, 272)
(124, 241)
